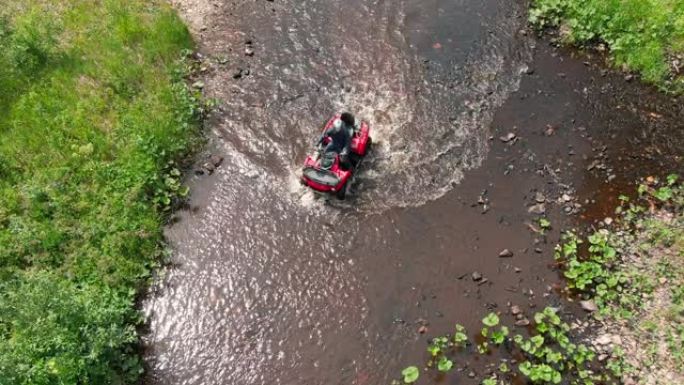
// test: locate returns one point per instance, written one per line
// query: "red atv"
(326, 171)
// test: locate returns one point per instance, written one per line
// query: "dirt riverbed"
(480, 129)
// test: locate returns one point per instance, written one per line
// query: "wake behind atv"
(324, 171)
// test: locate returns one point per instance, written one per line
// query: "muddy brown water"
(271, 285)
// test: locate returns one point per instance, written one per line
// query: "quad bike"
(330, 172)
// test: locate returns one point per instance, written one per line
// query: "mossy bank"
(642, 36)
(94, 116)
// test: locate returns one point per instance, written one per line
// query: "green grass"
(94, 113)
(643, 35)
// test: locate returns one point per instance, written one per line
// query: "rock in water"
(505, 253)
(538, 209)
(508, 137)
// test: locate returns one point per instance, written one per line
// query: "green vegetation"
(646, 36)
(630, 275)
(549, 355)
(634, 273)
(94, 115)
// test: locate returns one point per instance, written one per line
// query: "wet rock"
(527, 70)
(238, 73)
(589, 306)
(216, 160)
(549, 130)
(505, 253)
(508, 137)
(522, 322)
(476, 276)
(208, 168)
(538, 209)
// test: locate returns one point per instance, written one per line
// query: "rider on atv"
(338, 137)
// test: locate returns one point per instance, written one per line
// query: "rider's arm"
(322, 138)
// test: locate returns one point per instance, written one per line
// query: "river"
(272, 285)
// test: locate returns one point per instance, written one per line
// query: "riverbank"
(643, 37)
(629, 275)
(95, 120)
(626, 274)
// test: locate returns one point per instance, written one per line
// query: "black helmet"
(348, 118)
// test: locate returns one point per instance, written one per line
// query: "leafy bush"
(94, 116)
(643, 35)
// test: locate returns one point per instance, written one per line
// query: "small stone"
(604, 339)
(629, 77)
(249, 51)
(566, 198)
(508, 137)
(515, 310)
(517, 269)
(208, 167)
(522, 322)
(549, 130)
(539, 197)
(422, 329)
(589, 306)
(198, 84)
(476, 276)
(662, 280)
(525, 69)
(505, 253)
(471, 374)
(608, 221)
(538, 209)
(616, 340)
(216, 160)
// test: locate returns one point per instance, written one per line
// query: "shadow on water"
(272, 286)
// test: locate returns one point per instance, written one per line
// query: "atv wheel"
(342, 193)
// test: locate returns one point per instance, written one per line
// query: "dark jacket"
(340, 140)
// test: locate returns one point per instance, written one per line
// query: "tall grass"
(645, 36)
(93, 114)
